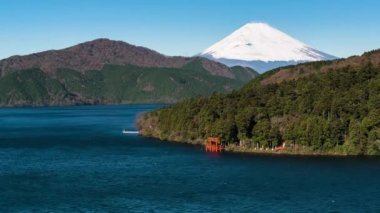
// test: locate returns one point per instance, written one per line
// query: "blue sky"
(185, 27)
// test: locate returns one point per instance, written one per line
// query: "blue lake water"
(68, 159)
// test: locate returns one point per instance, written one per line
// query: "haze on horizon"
(179, 27)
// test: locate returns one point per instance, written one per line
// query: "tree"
(265, 135)
(357, 139)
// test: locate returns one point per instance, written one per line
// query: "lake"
(66, 159)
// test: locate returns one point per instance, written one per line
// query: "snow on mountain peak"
(261, 42)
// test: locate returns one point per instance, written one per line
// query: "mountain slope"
(262, 47)
(316, 108)
(105, 71)
(95, 54)
(244, 73)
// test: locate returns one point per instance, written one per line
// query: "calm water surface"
(68, 159)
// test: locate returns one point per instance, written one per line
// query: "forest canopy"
(337, 110)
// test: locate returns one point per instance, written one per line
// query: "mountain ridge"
(103, 71)
(306, 69)
(96, 53)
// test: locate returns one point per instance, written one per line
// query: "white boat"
(130, 131)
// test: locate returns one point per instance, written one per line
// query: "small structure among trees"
(213, 145)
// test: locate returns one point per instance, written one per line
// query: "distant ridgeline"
(328, 107)
(111, 72)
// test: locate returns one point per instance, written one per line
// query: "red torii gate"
(213, 145)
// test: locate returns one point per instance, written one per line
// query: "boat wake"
(130, 131)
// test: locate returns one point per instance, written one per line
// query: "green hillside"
(113, 84)
(316, 108)
(244, 74)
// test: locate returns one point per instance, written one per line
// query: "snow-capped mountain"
(262, 47)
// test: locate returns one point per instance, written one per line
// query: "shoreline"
(234, 149)
(80, 105)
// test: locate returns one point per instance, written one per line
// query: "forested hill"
(111, 72)
(313, 108)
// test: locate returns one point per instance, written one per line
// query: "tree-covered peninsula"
(328, 107)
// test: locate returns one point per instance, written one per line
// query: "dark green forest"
(326, 112)
(115, 84)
